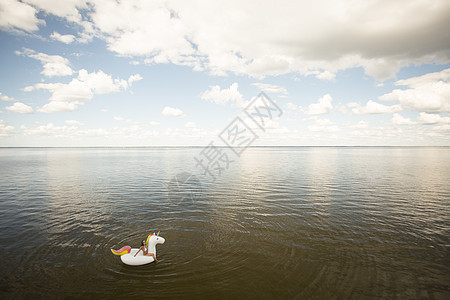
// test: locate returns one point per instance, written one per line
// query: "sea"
(261, 223)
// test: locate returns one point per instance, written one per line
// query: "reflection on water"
(281, 222)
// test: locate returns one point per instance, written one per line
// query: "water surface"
(300, 222)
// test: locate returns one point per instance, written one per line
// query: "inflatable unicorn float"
(127, 254)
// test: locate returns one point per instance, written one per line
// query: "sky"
(78, 73)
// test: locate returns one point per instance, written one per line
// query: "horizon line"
(261, 146)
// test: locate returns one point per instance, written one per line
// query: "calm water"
(321, 223)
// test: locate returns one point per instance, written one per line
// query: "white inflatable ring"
(138, 260)
(127, 253)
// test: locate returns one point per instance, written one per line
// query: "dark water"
(321, 223)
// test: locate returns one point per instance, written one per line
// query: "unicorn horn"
(158, 233)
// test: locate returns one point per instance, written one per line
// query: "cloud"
(15, 15)
(438, 130)
(6, 98)
(301, 36)
(147, 25)
(373, 107)
(67, 97)
(122, 119)
(71, 132)
(326, 75)
(190, 125)
(101, 83)
(50, 130)
(378, 133)
(361, 125)
(172, 112)
(222, 96)
(134, 78)
(291, 106)
(271, 88)
(323, 106)
(305, 37)
(74, 123)
(54, 65)
(60, 106)
(323, 74)
(343, 109)
(397, 119)
(154, 123)
(429, 92)
(323, 125)
(29, 88)
(425, 118)
(20, 107)
(5, 129)
(65, 9)
(75, 90)
(66, 38)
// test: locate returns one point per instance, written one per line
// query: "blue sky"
(154, 73)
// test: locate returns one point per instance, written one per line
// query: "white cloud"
(59, 106)
(70, 132)
(271, 88)
(291, 106)
(75, 90)
(442, 128)
(6, 98)
(190, 125)
(65, 9)
(323, 125)
(15, 15)
(398, 119)
(54, 65)
(425, 118)
(325, 75)
(373, 107)
(172, 112)
(154, 123)
(429, 92)
(323, 106)
(134, 78)
(5, 129)
(361, 125)
(343, 109)
(67, 97)
(64, 38)
(147, 25)
(377, 35)
(74, 123)
(50, 130)
(28, 88)
(377, 133)
(20, 107)
(222, 96)
(122, 119)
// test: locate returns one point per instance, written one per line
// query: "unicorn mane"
(148, 238)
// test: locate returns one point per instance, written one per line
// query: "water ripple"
(285, 223)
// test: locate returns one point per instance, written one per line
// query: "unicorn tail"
(121, 251)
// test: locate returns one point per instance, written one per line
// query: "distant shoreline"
(180, 147)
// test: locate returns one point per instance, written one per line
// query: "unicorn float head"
(152, 240)
(127, 254)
